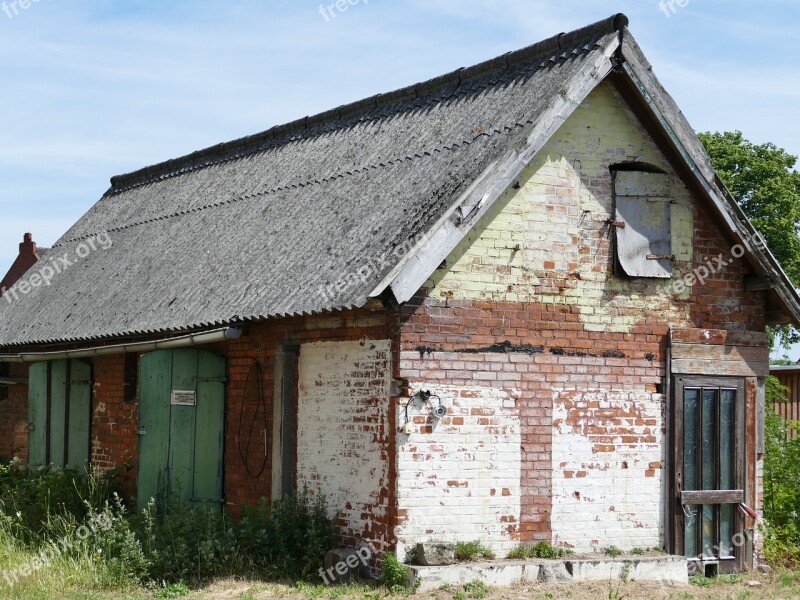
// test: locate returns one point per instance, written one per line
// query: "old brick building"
(513, 303)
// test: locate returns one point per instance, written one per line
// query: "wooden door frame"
(677, 494)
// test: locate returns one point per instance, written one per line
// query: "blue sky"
(95, 89)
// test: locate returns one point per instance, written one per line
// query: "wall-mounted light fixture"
(424, 396)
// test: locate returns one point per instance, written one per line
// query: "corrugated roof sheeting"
(262, 227)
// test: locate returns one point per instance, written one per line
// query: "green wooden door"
(59, 413)
(38, 384)
(181, 426)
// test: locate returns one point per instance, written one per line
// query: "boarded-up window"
(643, 227)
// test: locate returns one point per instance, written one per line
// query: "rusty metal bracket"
(617, 224)
(660, 257)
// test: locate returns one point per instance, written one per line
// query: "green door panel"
(60, 413)
(209, 432)
(58, 420)
(80, 414)
(181, 443)
(37, 413)
(180, 451)
(155, 380)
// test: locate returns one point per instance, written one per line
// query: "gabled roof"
(325, 212)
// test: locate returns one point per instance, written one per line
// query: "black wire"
(428, 397)
(245, 454)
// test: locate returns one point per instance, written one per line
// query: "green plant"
(476, 589)
(459, 595)
(612, 551)
(472, 550)
(285, 540)
(788, 579)
(540, 550)
(730, 579)
(394, 574)
(173, 590)
(615, 594)
(781, 486)
(638, 551)
(43, 499)
(700, 580)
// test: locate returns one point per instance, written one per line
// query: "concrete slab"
(667, 570)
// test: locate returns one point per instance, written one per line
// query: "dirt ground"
(740, 587)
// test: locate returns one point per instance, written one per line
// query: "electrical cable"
(244, 454)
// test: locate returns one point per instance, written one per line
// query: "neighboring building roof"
(784, 368)
(29, 255)
(268, 225)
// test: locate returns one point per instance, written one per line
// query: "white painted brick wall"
(342, 423)
(461, 482)
(607, 476)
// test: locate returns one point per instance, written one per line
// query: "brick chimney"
(28, 246)
(28, 256)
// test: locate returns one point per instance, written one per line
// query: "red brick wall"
(722, 303)
(114, 421)
(548, 349)
(14, 417)
(262, 342)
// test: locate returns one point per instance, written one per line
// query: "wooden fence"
(790, 377)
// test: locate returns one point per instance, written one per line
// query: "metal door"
(181, 426)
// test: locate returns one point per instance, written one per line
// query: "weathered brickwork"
(114, 421)
(608, 452)
(342, 432)
(531, 305)
(14, 417)
(459, 477)
(262, 343)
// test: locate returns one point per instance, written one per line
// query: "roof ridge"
(280, 133)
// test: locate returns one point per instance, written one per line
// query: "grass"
(466, 551)
(540, 550)
(613, 551)
(775, 586)
(476, 589)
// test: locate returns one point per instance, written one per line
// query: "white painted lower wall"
(608, 452)
(343, 399)
(461, 480)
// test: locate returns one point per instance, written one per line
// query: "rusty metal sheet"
(644, 244)
(643, 221)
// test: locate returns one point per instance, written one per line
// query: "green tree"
(764, 181)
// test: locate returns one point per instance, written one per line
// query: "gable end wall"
(527, 309)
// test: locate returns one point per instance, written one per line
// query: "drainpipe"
(185, 341)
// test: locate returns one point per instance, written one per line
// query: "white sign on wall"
(183, 398)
